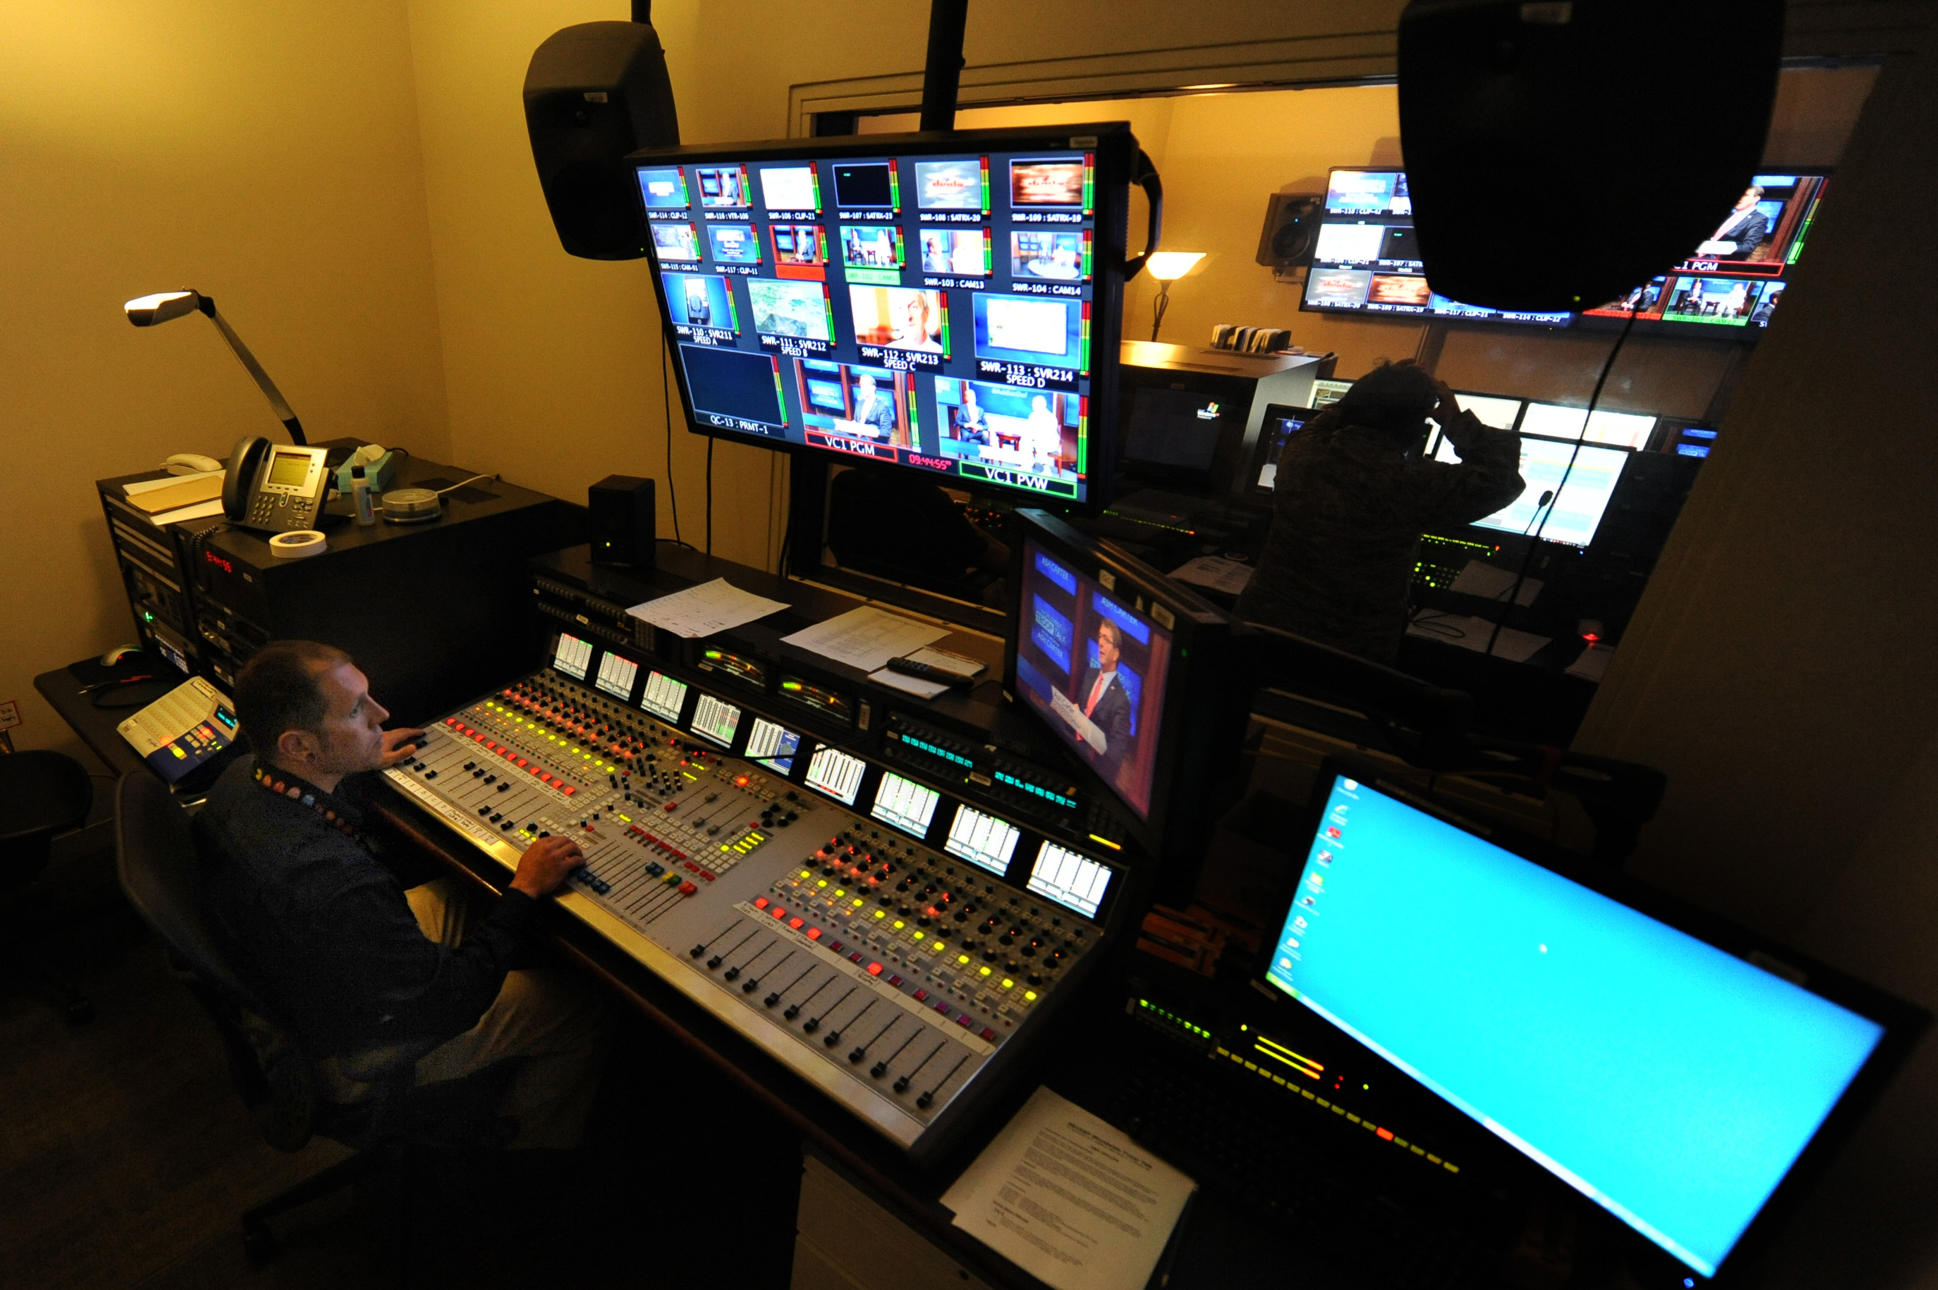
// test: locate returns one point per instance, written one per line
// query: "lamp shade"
(1169, 266)
(146, 311)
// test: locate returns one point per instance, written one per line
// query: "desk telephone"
(275, 488)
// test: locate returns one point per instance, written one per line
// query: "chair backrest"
(155, 860)
(42, 793)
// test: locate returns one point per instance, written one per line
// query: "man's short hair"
(1394, 397)
(277, 690)
(1116, 633)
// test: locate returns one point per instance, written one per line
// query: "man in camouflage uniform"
(1352, 497)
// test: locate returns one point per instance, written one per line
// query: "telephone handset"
(275, 488)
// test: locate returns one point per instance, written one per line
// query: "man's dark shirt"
(1347, 514)
(321, 930)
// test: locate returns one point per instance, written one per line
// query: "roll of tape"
(297, 545)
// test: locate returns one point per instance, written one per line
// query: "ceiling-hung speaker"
(1291, 229)
(593, 93)
(1559, 154)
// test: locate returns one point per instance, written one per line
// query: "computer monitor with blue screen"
(1280, 423)
(1574, 508)
(1670, 1080)
(946, 305)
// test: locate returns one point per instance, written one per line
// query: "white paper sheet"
(914, 685)
(1473, 633)
(705, 609)
(1479, 578)
(1593, 663)
(1069, 1199)
(866, 638)
(1216, 572)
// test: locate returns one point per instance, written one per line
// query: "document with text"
(1070, 1199)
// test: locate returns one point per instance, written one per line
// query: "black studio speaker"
(593, 93)
(623, 524)
(1291, 230)
(1559, 154)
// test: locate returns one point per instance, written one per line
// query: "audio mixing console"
(894, 968)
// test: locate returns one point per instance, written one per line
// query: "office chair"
(274, 1076)
(42, 794)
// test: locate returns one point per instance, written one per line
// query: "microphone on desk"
(1547, 496)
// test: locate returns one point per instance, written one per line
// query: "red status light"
(218, 561)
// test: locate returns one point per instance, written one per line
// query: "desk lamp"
(146, 311)
(1167, 267)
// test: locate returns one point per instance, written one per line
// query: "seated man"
(373, 977)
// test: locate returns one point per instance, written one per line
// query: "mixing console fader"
(893, 954)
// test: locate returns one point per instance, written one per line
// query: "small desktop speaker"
(1560, 154)
(622, 522)
(593, 93)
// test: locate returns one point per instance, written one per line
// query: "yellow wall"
(271, 160)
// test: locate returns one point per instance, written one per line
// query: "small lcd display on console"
(617, 675)
(664, 697)
(905, 804)
(716, 720)
(572, 656)
(772, 746)
(835, 773)
(1071, 880)
(982, 840)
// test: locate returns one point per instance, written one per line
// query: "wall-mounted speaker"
(593, 93)
(1560, 153)
(1291, 230)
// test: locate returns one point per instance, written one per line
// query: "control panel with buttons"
(889, 942)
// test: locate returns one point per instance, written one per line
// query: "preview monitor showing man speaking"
(1095, 670)
(852, 297)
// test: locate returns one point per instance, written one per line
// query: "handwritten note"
(705, 609)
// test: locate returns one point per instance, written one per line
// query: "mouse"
(114, 656)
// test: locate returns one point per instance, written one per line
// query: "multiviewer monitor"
(943, 303)
(1132, 672)
(1731, 282)
(1366, 259)
(1574, 508)
(1652, 1067)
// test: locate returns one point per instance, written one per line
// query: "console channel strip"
(891, 976)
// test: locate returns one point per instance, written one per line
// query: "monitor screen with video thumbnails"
(946, 305)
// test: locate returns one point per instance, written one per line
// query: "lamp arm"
(275, 396)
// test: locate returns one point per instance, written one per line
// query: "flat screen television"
(1574, 508)
(944, 304)
(1565, 421)
(1366, 259)
(1134, 674)
(1677, 1073)
(1191, 418)
(1731, 282)
(1280, 424)
(1328, 392)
